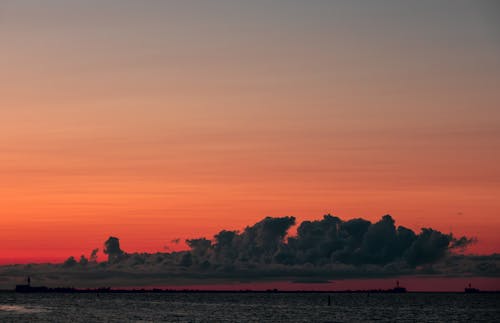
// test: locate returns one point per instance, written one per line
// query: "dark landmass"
(27, 288)
(70, 290)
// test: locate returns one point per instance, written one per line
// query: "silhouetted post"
(329, 301)
(29, 281)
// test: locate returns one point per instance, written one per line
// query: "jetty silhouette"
(28, 288)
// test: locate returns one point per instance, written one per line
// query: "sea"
(249, 307)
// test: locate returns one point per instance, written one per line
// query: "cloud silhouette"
(93, 255)
(112, 249)
(328, 241)
(322, 249)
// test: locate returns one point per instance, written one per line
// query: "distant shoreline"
(59, 290)
(417, 284)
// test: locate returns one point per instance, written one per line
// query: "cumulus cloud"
(112, 249)
(93, 255)
(327, 248)
(328, 241)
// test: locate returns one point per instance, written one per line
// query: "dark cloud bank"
(330, 248)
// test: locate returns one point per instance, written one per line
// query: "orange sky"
(159, 121)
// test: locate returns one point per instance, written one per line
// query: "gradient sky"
(155, 120)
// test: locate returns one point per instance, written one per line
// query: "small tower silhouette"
(471, 289)
(398, 288)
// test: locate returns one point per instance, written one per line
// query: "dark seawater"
(249, 307)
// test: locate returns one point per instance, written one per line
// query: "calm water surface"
(249, 307)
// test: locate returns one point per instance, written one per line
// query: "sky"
(157, 120)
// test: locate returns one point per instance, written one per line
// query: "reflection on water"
(20, 309)
(249, 307)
